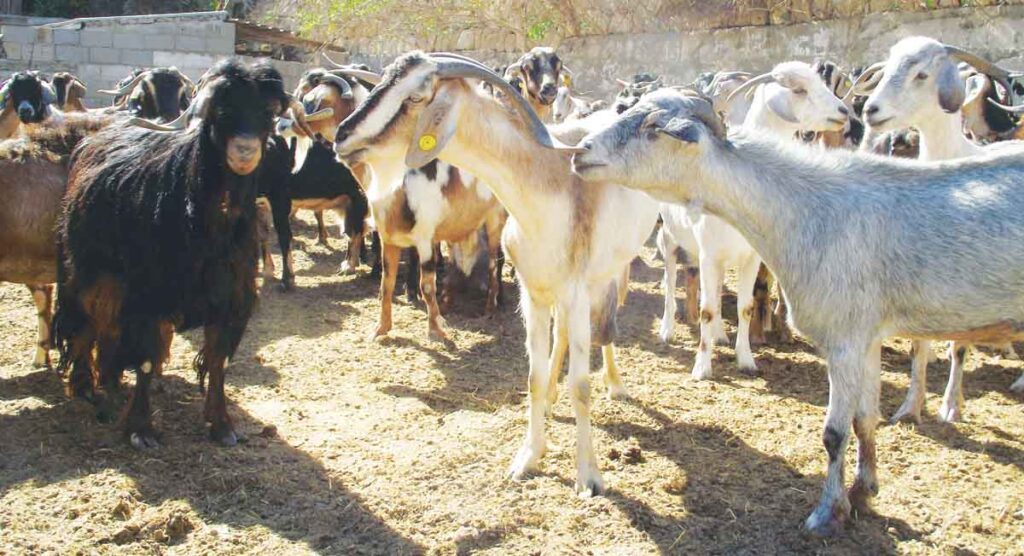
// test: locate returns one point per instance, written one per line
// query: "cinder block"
(159, 42)
(44, 35)
(70, 54)
(19, 34)
(114, 72)
(65, 36)
(129, 40)
(220, 45)
(96, 37)
(42, 53)
(13, 50)
(104, 55)
(190, 44)
(184, 60)
(137, 57)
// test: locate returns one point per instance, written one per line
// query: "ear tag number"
(427, 142)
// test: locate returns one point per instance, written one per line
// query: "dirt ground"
(401, 447)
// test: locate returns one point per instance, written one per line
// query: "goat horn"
(455, 66)
(330, 61)
(176, 125)
(862, 79)
(981, 64)
(127, 88)
(322, 114)
(345, 86)
(1011, 109)
(750, 84)
(368, 76)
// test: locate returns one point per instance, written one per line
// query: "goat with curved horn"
(124, 90)
(345, 86)
(751, 84)
(455, 66)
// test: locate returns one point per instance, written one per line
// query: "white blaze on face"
(391, 102)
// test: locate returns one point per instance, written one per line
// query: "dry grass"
(356, 447)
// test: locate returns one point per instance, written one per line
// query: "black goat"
(159, 94)
(322, 183)
(158, 233)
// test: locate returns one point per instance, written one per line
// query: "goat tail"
(69, 320)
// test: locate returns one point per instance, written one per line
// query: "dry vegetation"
(355, 447)
(437, 24)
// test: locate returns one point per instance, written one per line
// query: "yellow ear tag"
(567, 80)
(427, 142)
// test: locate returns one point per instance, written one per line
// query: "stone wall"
(993, 32)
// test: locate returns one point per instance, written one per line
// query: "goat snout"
(26, 111)
(244, 154)
(844, 110)
(548, 92)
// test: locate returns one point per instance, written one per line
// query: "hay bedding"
(401, 447)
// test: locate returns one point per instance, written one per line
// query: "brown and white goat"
(33, 178)
(569, 242)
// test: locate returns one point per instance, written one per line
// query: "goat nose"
(844, 110)
(588, 145)
(871, 109)
(548, 89)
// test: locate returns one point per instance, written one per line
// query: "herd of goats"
(148, 215)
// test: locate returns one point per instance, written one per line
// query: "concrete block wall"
(101, 51)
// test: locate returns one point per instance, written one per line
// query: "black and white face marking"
(542, 69)
(25, 96)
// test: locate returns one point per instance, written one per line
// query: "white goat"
(568, 107)
(570, 242)
(835, 227)
(921, 87)
(791, 98)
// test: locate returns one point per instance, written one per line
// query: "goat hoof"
(143, 439)
(860, 496)
(950, 413)
(589, 483)
(616, 390)
(42, 360)
(827, 521)
(906, 414)
(437, 335)
(347, 268)
(749, 370)
(701, 370)
(526, 462)
(286, 285)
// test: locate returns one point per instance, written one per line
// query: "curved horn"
(176, 125)
(345, 86)
(127, 88)
(750, 84)
(368, 76)
(860, 84)
(322, 114)
(455, 66)
(981, 64)
(330, 61)
(1011, 109)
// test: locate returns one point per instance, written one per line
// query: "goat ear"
(687, 131)
(5, 92)
(974, 88)
(779, 104)
(951, 88)
(49, 96)
(434, 129)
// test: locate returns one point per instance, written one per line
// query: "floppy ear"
(49, 96)
(779, 104)
(78, 86)
(687, 131)
(5, 93)
(951, 88)
(434, 129)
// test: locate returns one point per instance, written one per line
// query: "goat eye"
(800, 91)
(415, 98)
(921, 76)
